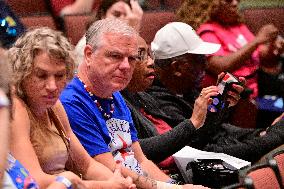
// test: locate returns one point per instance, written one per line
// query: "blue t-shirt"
(97, 134)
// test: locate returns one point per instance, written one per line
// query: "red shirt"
(231, 39)
(162, 127)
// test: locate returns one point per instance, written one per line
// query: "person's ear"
(175, 67)
(88, 52)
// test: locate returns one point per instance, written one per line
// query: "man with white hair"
(96, 110)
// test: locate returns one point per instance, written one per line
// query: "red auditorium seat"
(262, 177)
(153, 4)
(29, 7)
(279, 157)
(153, 21)
(38, 21)
(75, 26)
(173, 4)
(255, 18)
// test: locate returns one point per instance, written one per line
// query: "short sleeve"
(133, 130)
(85, 128)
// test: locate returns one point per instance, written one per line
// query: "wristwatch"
(64, 181)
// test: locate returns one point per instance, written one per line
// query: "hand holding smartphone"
(226, 84)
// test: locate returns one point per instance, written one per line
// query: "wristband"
(164, 185)
(171, 181)
(64, 181)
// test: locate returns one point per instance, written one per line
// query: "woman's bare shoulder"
(60, 112)
(20, 113)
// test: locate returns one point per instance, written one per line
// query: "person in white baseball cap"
(180, 56)
(178, 38)
(180, 67)
(179, 64)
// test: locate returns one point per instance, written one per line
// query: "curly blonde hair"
(5, 73)
(197, 12)
(27, 47)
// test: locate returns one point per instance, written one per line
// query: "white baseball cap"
(178, 38)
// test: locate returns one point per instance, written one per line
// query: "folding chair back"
(263, 176)
(278, 156)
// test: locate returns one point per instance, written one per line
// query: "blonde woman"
(41, 139)
(12, 172)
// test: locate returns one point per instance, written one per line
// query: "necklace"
(106, 115)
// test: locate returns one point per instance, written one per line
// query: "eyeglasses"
(144, 54)
(8, 25)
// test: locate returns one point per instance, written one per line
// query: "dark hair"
(103, 8)
(105, 5)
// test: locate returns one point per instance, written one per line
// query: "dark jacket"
(156, 147)
(270, 84)
(215, 135)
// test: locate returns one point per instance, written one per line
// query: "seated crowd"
(114, 117)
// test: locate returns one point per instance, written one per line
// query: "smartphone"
(225, 85)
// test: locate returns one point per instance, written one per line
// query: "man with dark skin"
(171, 100)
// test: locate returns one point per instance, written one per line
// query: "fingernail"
(118, 161)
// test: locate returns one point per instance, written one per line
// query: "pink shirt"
(232, 39)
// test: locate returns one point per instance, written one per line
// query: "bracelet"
(164, 185)
(172, 181)
(64, 181)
